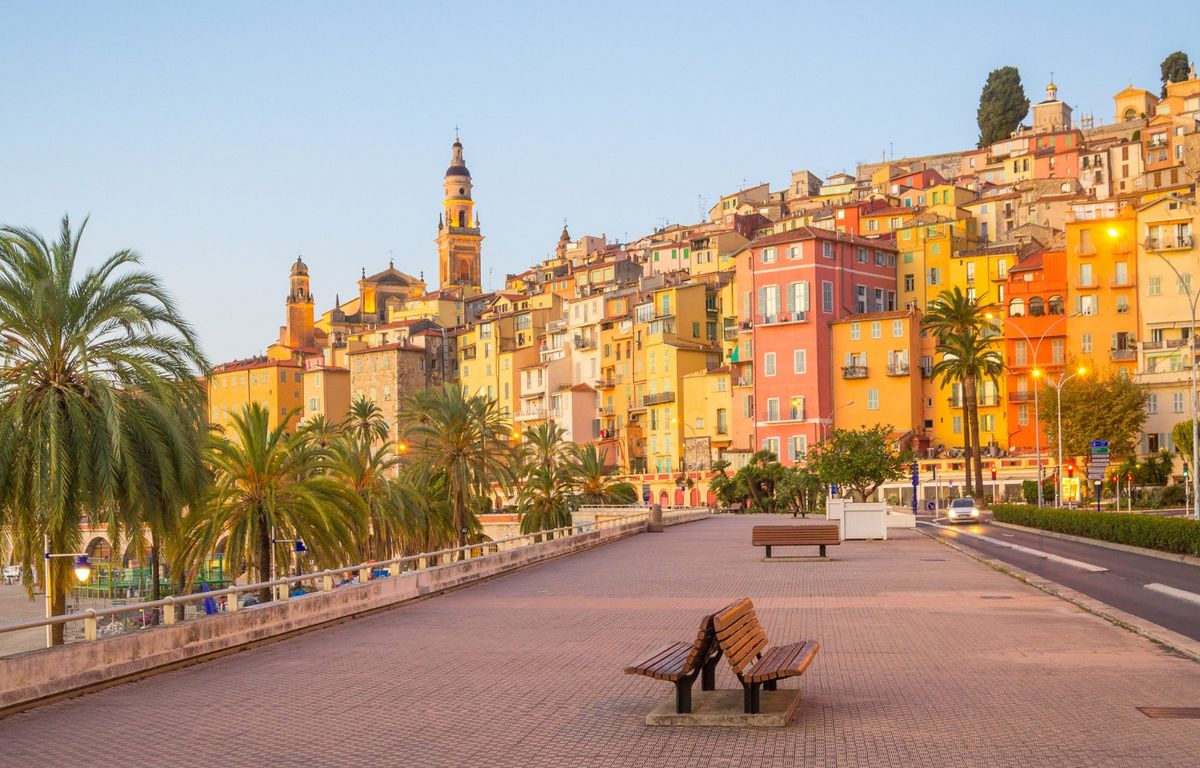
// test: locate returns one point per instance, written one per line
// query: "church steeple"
(298, 332)
(459, 239)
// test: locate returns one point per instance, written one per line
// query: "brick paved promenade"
(921, 666)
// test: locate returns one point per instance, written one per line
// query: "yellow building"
(326, 393)
(1102, 277)
(705, 416)
(926, 244)
(876, 376)
(278, 385)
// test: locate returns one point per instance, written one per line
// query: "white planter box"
(859, 520)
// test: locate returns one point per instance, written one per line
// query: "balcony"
(605, 410)
(745, 325)
(730, 333)
(1176, 343)
(854, 371)
(783, 317)
(1153, 344)
(607, 383)
(1168, 244)
(658, 397)
(1122, 355)
(1084, 283)
(744, 381)
(532, 387)
(988, 401)
(531, 414)
(1020, 396)
(584, 342)
(1120, 282)
(955, 402)
(899, 369)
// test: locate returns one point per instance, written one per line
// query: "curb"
(1173, 641)
(1169, 556)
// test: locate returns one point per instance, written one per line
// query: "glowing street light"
(1063, 378)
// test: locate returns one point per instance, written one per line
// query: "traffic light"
(994, 473)
(1129, 478)
(1115, 479)
(1185, 471)
(1070, 470)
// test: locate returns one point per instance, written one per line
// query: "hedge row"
(1168, 534)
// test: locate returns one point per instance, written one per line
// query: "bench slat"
(651, 665)
(791, 661)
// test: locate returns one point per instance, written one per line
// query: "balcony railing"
(606, 383)
(658, 397)
(1020, 396)
(854, 371)
(584, 342)
(1154, 344)
(730, 333)
(1121, 282)
(745, 381)
(1085, 282)
(1122, 354)
(605, 410)
(955, 402)
(899, 369)
(1166, 244)
(526, 414)
(989, 400)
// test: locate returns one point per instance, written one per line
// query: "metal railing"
(323, 582)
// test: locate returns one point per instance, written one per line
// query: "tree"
(366, 468)
(962, 328)
(365, 421)
(1002, 105)
(467, 440)
(860, 460)
(757, 478)
(545, 500)
(1174, 69)
(98, 399)
(1181, 436)
(798, 490)
(267, 485)
(596, 482)
(1108, 407)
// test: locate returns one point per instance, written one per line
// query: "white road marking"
(1180, 594)
(1027, 550)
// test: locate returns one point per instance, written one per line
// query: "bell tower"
(298, 333)
(459, 240)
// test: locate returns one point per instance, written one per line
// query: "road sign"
(1099, 444)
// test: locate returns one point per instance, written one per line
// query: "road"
(1122, 584)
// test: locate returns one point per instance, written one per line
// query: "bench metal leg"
(683, 695)
(708, 674)
(751, 698)
(822, 550)
(768, 551)
(771, 685)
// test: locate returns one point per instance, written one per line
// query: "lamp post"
(1037, 422)
(1063, 378)
(828, 420)
(83, 571)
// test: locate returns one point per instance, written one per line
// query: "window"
(1021, 353)
(860, 299)
(1152, 403)
(879, 304)
(312, 404)
(769, 364)
(1085, 275)
(796, 407)
(826, 295)
(909, 282)
(793, 253)
(934, 276)
(771, 444)
(872, 399)
(772, 409)
(1057, 349)
(827, 249)
(1154, 285)
(799, 361)
(956, 423)
(1085, 305)
(1183, 283)
(797, 447)
(1016, 307)
(876, 329)
(1177, 402)
(797, 298)
(722, 422)
(768, 302)
(768, 256)
(855, 331)
(1086, 343)
(1023, 415)
(862, 255)
(897, 329)
(1122, 305)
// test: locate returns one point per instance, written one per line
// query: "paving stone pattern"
(917, 668)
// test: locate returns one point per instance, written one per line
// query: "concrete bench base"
(798, 559)
(724, 709)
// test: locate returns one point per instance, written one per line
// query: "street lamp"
(828, 421)
(82, 567)
(1193, 298)
(1063, 378)
(1037, 421)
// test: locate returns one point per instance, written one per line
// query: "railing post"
(422, 562)
(283, 592)
(364, 575)
(233, 602)
(327, 581)
(169, 611)
(89, 624)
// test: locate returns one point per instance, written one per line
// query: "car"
(962, 511)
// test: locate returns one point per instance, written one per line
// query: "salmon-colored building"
(792, 285)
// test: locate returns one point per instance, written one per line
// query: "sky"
(221, 140)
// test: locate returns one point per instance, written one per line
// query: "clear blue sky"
(222, 139)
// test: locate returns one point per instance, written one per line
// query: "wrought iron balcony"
(854, 371)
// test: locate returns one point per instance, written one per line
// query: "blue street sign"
(1099, 444)
(833, 489)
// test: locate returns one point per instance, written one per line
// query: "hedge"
(1169, 534)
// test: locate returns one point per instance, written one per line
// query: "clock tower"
(459, 240)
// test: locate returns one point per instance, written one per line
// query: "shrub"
(1172, 496)
(1168, 534)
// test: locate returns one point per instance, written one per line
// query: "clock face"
(462, 190)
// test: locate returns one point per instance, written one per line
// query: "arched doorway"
(663, 498)
(679, 497)
(694, 501)
(712, 499)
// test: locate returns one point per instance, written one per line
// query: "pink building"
(796, 284)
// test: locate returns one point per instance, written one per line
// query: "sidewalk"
(928, 659)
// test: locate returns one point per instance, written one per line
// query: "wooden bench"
(820, 535)
(742, 639)
(681, 662)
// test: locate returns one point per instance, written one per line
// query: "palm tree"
(365, 421)
(545, 500)
(367, 469)
(955, 313)
(322, 430)
(425, 515)
(596, 482)
(466, 439)
(546, 445)
(967, 360)
(267, 484)
(98, 401)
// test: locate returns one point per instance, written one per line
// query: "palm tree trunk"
(155, 587)
(968, 403)
(264, 557)
(979, 487)
(58, 604)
